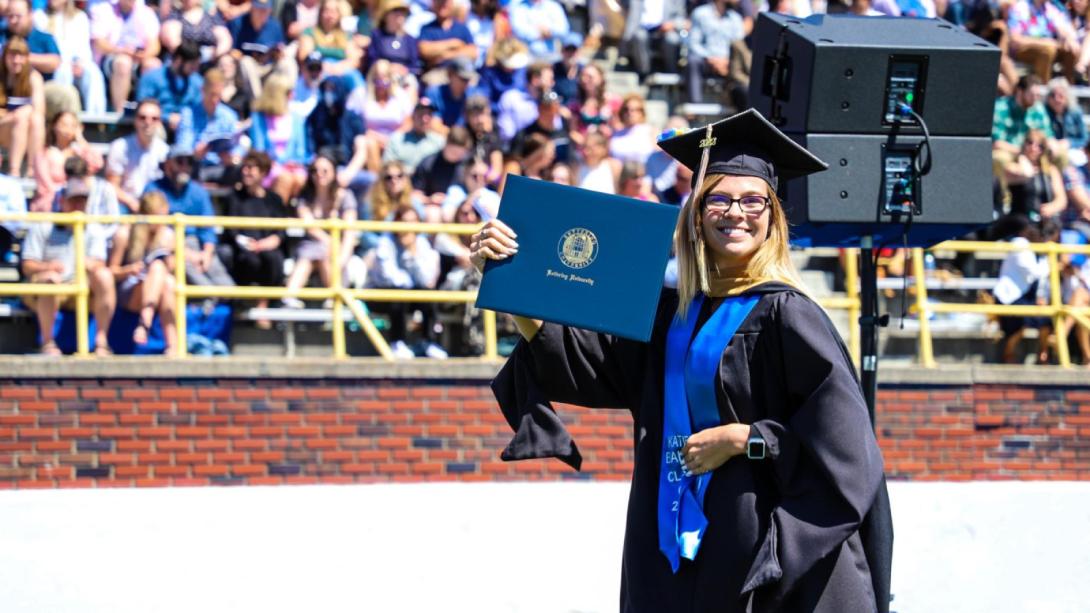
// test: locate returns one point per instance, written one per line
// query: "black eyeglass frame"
(766, 201)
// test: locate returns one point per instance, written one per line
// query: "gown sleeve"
(562, 364)
(823, 452)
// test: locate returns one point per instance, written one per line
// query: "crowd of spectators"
(415, 110)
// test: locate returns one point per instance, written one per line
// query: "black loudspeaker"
(853, 90)
(863, 192)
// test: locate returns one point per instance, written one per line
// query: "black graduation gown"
(783, 533)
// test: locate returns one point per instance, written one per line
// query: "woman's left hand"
(708, 449)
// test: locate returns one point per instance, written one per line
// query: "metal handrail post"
(1057, 304)
(851, 285)
(926, 351)
(339, 350)
(181, 345)
(79, 236)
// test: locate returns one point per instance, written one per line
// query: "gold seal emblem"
(578, 248)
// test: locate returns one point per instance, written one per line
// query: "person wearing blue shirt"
(450, 98)
(176, 85)
(445, 38)
(45, 55)
(259, 43)
(211, 129)
(542, 25)
(185, 196)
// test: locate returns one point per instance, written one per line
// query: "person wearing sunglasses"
(755, 463)
(134, 161)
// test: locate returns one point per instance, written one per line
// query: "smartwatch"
(755, 445)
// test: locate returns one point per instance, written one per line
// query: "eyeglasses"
(392, 178)
(151, 118)
(750, 205)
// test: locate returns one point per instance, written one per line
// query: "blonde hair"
(383, 203)
(771, 260)
(274, 96)
(151, 203)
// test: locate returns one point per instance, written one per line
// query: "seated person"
(64, 140)
(405, 260)
(473, 188)
(411, 146)
(142, 263)
(49, 257)
(550, 122)
(187, 197)
(391, 193)
(71, 30)
(135, 160)
(125, 36)
(321, 198)
(191, 23)
(101, 198)
(259, 45)
(390, 41)
(542, 25)
(450, 98)
(437, 172)
(445, 38)
(281, 134)
(22, 106)
(12, 200)
(176, 85)
(256, 255)
(340, 55)
(212, 130)
(389, 103)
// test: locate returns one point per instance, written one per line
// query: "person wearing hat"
(49, 256)
(188, 197)
(549, 123)
(411, 146)
(755, 464)
(390, 41)
(518, 107)
(450, 97)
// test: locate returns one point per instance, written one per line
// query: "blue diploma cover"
(585, 259)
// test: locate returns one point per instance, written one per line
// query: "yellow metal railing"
(1055, 309)
(352, 298)
(341, 297)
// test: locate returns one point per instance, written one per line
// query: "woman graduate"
(755, 462)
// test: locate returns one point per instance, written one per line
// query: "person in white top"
(598, 172)
(1020, 277)
(134, 160)
(635, 141)
(71, 29)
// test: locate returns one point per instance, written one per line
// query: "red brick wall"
(160, 432)
(985, 432)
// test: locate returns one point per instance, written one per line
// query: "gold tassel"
(693, 208)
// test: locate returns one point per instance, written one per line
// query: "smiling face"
(732, 236)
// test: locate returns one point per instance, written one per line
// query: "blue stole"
(690, 406)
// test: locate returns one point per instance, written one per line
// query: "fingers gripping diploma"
(494, 241)
(708, 449)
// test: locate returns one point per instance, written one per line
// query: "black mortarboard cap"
(745, 144)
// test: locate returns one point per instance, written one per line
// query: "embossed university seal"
(578, 248)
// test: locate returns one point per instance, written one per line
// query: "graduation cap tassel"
(694, 236)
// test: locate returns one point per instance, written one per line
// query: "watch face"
(755, 449)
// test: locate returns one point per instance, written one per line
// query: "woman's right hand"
(494, 241)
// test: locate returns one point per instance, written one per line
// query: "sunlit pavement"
(481, 548)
